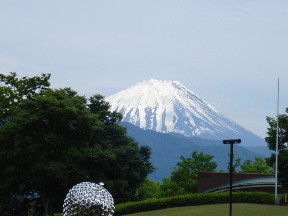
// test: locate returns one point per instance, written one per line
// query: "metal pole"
(231, 178)
(231, 142)
(276, 153)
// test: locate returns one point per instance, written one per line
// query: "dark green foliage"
(283, 167)
(282, 146)
(193, 199)
(283, 132)
(14, 89)
(52, 139)
(99, 106)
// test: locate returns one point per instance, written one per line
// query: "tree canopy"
(51, 139)
(184, 177)
(282, 145)
(13, 89)
(259, 165)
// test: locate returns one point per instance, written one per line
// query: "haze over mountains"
(173, 121)
(168, 106)
(167, 149)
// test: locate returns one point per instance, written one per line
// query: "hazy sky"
(228, 52)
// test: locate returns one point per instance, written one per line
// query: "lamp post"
(231, 142)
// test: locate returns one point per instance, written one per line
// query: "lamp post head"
(231, 141)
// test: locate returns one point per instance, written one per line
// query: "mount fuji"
(169, 107)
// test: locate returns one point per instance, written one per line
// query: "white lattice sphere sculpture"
(88, 199)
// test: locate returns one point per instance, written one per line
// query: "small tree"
(169, 188)
(148, 189)
(258, 166)
(236, 164)
(186, 173)
(283, 145)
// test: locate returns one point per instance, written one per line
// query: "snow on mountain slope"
(168, 106)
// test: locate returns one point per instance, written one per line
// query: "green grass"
(239, 209)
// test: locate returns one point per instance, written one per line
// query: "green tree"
(55, 139)
(283, 167)
(236, 164)
(148, 189)
(169, 188)
(282, 146)
(186, 173)
(259, 165)
(14, 89)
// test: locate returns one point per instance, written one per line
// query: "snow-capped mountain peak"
(168, 106)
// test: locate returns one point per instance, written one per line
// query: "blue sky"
(228, 52)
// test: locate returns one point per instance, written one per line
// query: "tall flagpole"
(276, 153)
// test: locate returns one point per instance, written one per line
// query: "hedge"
(193, 199)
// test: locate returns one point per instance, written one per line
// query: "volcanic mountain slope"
(168, 106)
(166, 150)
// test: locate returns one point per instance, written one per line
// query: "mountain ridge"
(166, 149)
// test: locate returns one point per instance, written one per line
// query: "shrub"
(193, 199)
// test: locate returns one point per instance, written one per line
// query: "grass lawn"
(239, 209)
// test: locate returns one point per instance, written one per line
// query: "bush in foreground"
(193, 199)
